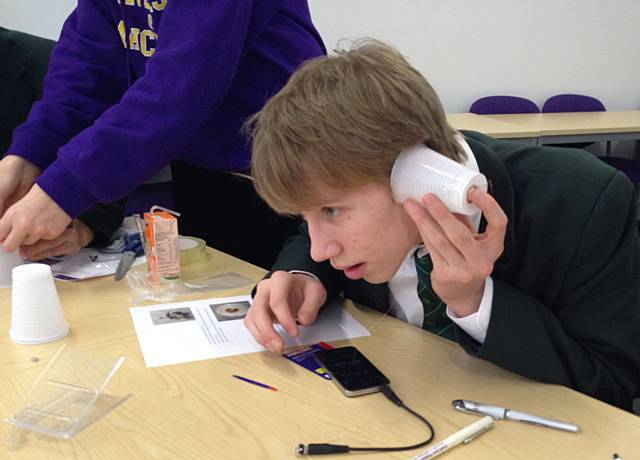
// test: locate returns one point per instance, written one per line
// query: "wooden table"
(197, 411)
(560, 128)
(554, 128)
(501, 129)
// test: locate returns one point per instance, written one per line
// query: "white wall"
(38, 17)
(467, 48)
(534, 48)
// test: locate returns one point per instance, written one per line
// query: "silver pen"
(509, 414)
(128, 257)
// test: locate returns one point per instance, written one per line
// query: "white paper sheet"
(203, 329)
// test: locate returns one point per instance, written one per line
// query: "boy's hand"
(17, 175)
(462, 259)
(74, 238)
(283, 298)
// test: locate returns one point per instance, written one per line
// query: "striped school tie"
(435, 310)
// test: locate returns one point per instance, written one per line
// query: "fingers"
(462, 260)
(65, 248)
(442, 233)
(438, 225)
(7, 185)
(16, 177)
(457, 228)
(5, 228)
(436, 256)
(457, 251)
(14, 233)
(4, 204)
(66, 244)
(270, 304)
(11, 235)
(260, 322)
(7, 199)
(282, 284)
(81, 233)
(495, 216)
(34, 251)
(315, 296)
(36, 216)
(279, 299)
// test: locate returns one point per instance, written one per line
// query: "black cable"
(325, 449)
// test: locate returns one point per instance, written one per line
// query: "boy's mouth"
(355, 272)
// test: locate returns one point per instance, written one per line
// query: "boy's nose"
(323, 246)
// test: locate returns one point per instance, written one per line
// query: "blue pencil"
(253, 382)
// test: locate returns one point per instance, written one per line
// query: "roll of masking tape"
(192, 250)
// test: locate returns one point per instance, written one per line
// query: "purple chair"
(496, 105)
(574, 103)
(582, 103)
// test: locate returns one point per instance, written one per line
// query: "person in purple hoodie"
(134, 85)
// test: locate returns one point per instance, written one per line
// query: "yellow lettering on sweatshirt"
(145, 48)
(122, 31)
(159, 5)
(134, 39)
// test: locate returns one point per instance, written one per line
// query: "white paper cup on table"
(420, 170)
(36, 314)
(8, 260)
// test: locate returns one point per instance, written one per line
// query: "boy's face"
(362, 232)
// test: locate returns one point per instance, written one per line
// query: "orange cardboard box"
(161, 232)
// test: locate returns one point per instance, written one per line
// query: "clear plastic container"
(145, 288)
(69, 394)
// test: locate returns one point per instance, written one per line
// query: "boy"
(544, 283)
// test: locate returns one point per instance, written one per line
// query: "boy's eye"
(331, 212)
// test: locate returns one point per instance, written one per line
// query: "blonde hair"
(340, 122)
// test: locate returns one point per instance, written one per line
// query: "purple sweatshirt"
(135, 84)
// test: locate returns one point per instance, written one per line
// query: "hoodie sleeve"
(86, 75)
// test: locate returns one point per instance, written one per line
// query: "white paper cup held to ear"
(420, 170)
(36, 314)
(8, 260)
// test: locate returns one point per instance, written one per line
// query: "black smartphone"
(354, 374)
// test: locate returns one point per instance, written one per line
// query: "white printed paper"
(182, 332)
